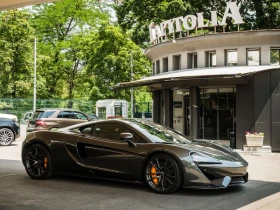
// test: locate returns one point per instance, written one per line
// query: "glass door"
(217, 113)
(209, 113)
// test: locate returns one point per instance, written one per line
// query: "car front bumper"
(215, 176)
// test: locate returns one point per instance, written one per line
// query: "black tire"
(37, 162)
(7, 136)
(162, 174)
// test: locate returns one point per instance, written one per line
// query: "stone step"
(254, 150)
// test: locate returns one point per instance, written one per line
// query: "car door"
(106, 155)
(65, 118)
(80, 117)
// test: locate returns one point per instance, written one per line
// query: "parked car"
(9, 116)
(47, 119)
(93, 117)
(26, 116)
(135, 151)
(9, 131)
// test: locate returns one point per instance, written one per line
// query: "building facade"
(214, 86)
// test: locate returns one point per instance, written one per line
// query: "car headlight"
(199, 158)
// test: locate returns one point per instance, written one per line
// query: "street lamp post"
(131, 90)
(35, 61)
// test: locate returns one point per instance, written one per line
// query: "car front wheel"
(37, 162)
(163, 174)
(6, 136)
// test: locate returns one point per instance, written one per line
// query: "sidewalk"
(264, 168)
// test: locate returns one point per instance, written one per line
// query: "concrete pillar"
(242, 56)
(265, 55)
(220, 54)
(194, 107)
(184, 60)
(168, 108)
(156, 106)
(201, 59)
(170, 63)
(161, 65)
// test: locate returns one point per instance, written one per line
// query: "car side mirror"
(127, 137)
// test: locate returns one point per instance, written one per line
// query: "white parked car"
(9, 116)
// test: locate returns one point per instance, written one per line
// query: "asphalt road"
(18, 191)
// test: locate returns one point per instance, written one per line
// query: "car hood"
(213, 149)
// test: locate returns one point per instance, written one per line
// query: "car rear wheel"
(6, 136)
(163, 174)
(37, 162)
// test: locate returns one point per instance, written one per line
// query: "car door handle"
(58, 121)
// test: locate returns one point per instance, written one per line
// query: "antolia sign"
(191, 22)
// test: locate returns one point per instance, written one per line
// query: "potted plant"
(254, 139)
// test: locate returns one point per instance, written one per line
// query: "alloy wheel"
(37, 162)
(6, 136)
(162, 174)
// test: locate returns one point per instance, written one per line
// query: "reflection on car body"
(136, 151)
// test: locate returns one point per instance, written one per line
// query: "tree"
(16, 54)
(61, 27)
(136, 15)
(108, 60)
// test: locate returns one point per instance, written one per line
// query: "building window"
(211, 60)
(253, 57)
(157, 67)
(192, 60)
(102, 112)
(165, 64)
(176, 62)
(231, 58)
(275, 57)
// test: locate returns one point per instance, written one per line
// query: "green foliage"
(109, 56)
(275, 56)
(61, 28)
(16, 50)
(136, 15)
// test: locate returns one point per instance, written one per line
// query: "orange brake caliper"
(45, 162)
(153, 172)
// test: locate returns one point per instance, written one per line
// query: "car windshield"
(158, 133)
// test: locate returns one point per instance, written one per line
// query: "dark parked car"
(9, 131)
(133, 150)
(47, 119)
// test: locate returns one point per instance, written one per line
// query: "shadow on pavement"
(19, 191)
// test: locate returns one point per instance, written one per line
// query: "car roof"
(55, 109)
(124, 120)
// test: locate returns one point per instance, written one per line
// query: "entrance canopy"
(10, 4)
(203, 73)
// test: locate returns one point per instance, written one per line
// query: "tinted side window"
(78, 115)
(37, 114)
(65, 114)
(108, 131)
(47, 114)
(42, 114)
(112, 131)
(85, 130)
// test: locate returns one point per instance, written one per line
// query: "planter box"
(256, 141)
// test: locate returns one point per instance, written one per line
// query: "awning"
(199, 73)
(10, 4)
